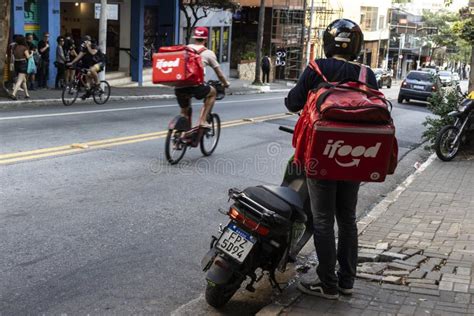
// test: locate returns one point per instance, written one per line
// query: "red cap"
(201, 32)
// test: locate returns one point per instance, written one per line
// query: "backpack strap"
(200, 51)
(314, 65)
(363, 73)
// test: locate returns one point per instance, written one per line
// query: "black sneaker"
(344, 291)
(318, 289)
(86, 95)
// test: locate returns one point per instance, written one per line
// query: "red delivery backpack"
(346, 132)
(178, 66)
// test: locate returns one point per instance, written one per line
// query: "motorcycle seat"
(281, 200)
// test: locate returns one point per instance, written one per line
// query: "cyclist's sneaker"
(318, 289)
(86, 95)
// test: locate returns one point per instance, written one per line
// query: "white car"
(445, 77)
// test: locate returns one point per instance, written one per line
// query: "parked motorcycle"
(451, 137)
(268, 227)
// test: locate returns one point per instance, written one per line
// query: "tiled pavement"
(431, 228)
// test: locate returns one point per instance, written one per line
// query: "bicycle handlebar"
(286, 129)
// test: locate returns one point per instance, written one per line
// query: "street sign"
(112, 11)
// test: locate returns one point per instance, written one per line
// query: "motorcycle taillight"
(247, 222)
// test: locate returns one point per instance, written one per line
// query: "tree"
(465, 30)
(261, 25)
(442, 36)
(196, 10)
(5, 35)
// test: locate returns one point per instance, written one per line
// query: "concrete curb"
(291, 293)
(9, 105)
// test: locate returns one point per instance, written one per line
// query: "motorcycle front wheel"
(446, 148)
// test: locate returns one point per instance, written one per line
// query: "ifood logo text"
(166, 66)
(336, 149)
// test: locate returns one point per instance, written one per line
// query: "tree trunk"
(471, 75)
(261, 26)
(5, 36)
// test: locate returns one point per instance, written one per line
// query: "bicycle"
(181, 136)
(100, 93)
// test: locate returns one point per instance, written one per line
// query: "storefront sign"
(112, 11)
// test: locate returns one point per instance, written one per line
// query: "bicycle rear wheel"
(211, 136)
(101, 93)
(70, 93)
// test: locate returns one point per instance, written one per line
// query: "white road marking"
(123, 109)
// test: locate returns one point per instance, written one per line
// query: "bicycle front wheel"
(211, 136)
(174, 147)
(69, 94)
(102, 93)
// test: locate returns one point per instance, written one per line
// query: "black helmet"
(343, 37)
(86, 38)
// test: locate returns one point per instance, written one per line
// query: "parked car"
(445, 77)
(383, 77)
(433, 71)
(418, 85)
(455, 78)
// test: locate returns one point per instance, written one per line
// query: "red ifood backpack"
(346, 132)
(178, 66)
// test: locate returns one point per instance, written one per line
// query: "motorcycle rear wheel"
(219, 294)
(445, 149)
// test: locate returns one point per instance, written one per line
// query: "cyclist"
(204, 91)
(93, 60)
(342, 41)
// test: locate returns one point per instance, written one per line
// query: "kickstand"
(274, 282)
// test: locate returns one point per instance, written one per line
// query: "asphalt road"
(116, 230)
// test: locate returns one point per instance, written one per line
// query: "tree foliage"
(441, 103)
(196, 10)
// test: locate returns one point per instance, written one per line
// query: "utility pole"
(261, 26)
(399, 64)
(103, 32)
(310, 31)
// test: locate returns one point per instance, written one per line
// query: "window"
(381, 22)
(368, 18)
(225, 44)
(216, 41)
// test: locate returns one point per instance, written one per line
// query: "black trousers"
(60, 74)
(329, 200)
(266, 74)
(43, 72)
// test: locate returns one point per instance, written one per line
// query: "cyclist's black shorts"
(184, 94)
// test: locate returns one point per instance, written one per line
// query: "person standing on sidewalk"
(33, 50)
(60, 63)
(266, 64)
(342, 42)
(43, 67)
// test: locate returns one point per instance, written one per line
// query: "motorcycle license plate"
(419, 87)
(236, 243)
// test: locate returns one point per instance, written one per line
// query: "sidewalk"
(52, 96)
(416, 250)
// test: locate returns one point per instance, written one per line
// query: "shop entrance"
(82, 18)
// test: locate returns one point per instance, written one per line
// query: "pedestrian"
(60, 63)
(342, 43)
(21, 55)
(70, 53)
(266, 68)
(43, 67)
(33, 50)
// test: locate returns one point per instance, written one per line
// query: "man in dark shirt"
(333, 199)
(43, 67)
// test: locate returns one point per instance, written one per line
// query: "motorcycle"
(451, 137)
(268, 227)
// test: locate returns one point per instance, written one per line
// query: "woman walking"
(21, 54)
(60, 63)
